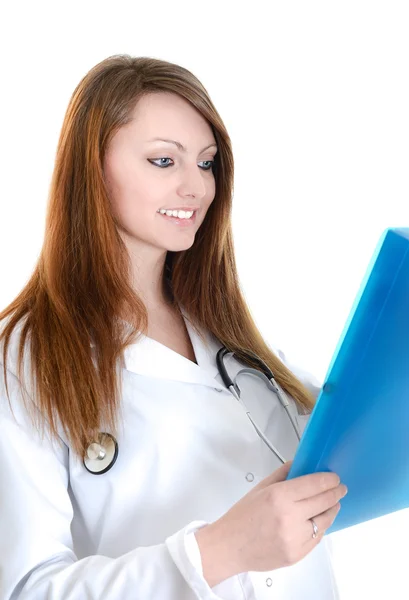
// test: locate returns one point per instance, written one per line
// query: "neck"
(147, 274)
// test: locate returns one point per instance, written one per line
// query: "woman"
(121, 322)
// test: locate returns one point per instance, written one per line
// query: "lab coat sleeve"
(37, 557)
(193, 552)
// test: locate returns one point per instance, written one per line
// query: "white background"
(315, 97)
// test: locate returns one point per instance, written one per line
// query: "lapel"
(152, 359)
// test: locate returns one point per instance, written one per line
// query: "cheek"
(132, 211)
(131, 195)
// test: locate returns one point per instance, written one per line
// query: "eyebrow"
(179, 145)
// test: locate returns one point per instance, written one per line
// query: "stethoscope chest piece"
(101, 454)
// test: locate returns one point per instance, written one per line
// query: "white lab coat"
(187, 453)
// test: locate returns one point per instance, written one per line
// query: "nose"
(193, 183)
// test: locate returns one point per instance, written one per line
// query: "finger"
(322, 502)
(323, 522)
(307, 486)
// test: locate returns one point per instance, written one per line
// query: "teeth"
(180, 214)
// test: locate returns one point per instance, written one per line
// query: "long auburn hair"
(81, 281)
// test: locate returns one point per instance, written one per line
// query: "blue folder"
(359, 427)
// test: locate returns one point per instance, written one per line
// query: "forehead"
(169, 116)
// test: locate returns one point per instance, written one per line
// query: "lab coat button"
(250, 477)
(269, 582)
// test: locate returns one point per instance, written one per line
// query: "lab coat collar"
(152, 359)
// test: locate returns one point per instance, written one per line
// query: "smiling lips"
(180, 214)
(181, 218)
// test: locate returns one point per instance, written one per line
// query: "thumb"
(279, 474)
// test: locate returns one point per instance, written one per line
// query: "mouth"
(181, 218)
(182, 213)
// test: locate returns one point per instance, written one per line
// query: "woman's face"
(145, 176)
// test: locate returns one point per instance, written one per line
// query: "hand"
(269, 527)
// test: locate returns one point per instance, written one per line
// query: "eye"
(162, 166)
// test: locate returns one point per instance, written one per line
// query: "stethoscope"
(101, 454)
(263, 372)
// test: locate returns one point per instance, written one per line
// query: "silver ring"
(315, 528)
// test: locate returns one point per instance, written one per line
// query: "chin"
(179, 247)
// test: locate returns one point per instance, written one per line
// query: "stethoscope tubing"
(266, 372)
